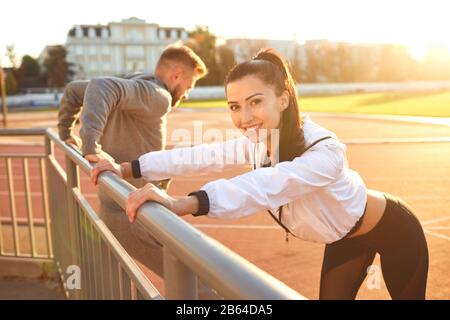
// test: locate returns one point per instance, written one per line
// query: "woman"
(301, 175)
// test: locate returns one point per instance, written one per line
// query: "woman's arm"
(273, 187)
(190, 161)
(254, 191)
(160, 165)
(181, 205)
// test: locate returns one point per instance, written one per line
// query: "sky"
(32, 24)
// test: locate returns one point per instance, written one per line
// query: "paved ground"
(29, 289)
(417, 172)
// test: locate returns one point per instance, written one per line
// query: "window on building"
(105, 33)
(105, 50)
(92, 50)
(135, 51)
(78, 32)
(79, 50)
(106, 66)
(91, 32)
(134, 35)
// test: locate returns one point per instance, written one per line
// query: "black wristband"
(203, 202)
(136, 169)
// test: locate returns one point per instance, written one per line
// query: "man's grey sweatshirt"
(123, 117)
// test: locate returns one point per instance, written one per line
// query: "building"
(245, 49)
(119, 48)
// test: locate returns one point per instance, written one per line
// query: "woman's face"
(254, 107)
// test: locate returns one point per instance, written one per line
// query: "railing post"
(43, 164)
(180, 282)
(12, 202)
(73, 181)
(29, 207)
(48, 205)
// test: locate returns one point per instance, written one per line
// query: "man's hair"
(186, 56)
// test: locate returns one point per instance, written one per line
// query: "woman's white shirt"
(322, 198)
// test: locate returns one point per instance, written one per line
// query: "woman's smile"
(252, 127)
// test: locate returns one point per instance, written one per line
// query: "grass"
(203, 104)
(433, 104)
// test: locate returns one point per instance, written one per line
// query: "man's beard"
(176, 97)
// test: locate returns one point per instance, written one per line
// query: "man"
(125, 118)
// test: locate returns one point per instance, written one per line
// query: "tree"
(396, 64)
(203, 43)
(250, 47)
(218, 59)
(435, 65)
(57, 69)
(29, 73)
(312, 67)
(11, 54)
(224, 62)
(29, 67)
(347, 70)
(296, 65)
(10, 82)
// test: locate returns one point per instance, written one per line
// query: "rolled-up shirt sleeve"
(272, 187)
(70, 107)
(100, 99)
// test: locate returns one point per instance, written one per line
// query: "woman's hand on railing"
(178, 205)
(105, 165)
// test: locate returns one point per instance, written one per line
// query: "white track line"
(411, 119)
(438, 228)
(265, 227)
(424, 223)
(255, 226)
(426, 198)
(437, 235)
(395, 140)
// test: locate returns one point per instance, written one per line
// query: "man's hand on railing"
(178, 205)
(105, 165)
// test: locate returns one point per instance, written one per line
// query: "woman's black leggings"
(398, 238)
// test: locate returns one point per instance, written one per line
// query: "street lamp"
(3, 89)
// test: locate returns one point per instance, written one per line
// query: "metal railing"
(77, 237)
(13, 222)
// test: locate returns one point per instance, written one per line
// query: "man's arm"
(101, 97)
(70, 109)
